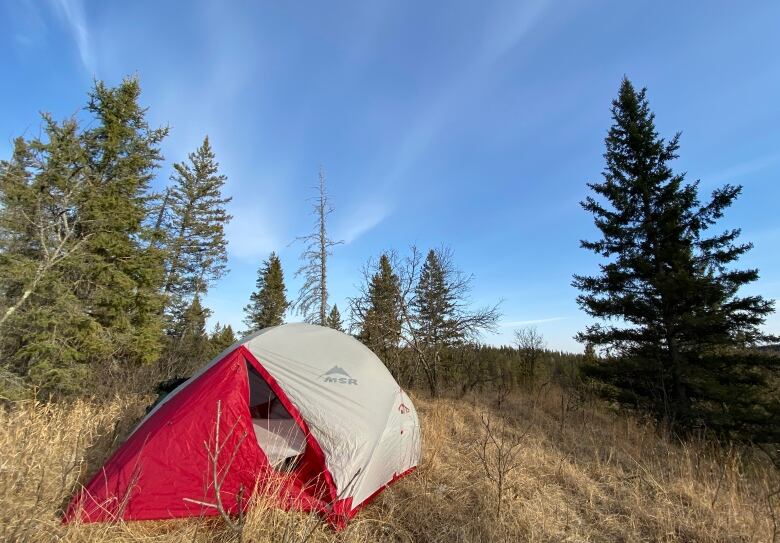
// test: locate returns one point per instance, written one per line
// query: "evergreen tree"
(191, 346)
(197, 245)
(87, 281)
(380, 321)
(434, 326)
(46, 334)
(334, 319)
(221, 338)
(120, 280)
(440, 314)
(434, 304)
(681, 331)
(268, 303)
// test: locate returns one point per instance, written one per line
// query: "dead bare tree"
(312, 300)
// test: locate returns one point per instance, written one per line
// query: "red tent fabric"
(165, 469)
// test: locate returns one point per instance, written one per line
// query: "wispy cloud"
(512, 324)
(505, 31)
(206, 101)
(507, 28)
(71, 12)
(362, 219)
(735, 173)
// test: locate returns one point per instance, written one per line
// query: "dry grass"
(604, 478)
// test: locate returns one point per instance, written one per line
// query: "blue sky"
(470, 124)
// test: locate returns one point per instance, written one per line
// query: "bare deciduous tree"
(531, 345)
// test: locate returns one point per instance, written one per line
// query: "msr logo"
(338, 375)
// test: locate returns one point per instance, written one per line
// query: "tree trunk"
(177, 250)
(680, 404)
(323, 254)
(11, 310)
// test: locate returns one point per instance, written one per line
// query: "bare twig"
(218, 475)
(498, 454)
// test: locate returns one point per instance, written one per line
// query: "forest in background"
(102, 281)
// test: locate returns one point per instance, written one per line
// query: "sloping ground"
(600, 477)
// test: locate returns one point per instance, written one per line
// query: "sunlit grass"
(605, 477)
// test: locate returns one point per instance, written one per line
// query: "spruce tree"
(268, 303)
(434, 326)
(380, 326)
(197, 245)
(334, 319)
(221, 338)
(438, 315)
(190, 344)
(121, 278)
(87, 278)
(46, 333)
(434, 304)
(676, 327)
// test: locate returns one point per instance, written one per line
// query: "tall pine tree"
(679, 332)
(197, 243)
(438, 315)
(80, 278)
(434, 304)
(46, 333)
(120, 280)
(380, 321)
(268, 303)
(434, 325)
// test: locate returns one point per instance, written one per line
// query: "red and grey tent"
(305, 405)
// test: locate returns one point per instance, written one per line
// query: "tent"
(305, 406)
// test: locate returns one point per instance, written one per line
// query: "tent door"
(276, 431)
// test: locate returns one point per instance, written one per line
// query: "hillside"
(600, 476)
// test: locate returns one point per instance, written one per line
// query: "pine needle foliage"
(80, 279)
(198, 247)
(334, 319)
(667, 295)
(379, 314)
(268, 303)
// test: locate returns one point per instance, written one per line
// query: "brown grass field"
(601, 476)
